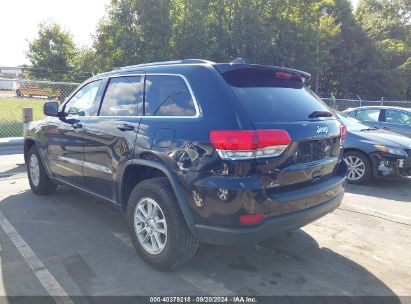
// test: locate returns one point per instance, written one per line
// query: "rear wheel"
(157, 227)
(359, 167)
(39, 181)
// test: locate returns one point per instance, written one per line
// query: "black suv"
(194, 151)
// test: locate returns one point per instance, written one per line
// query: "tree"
(51, 53)
(387, 23)
(367, 53)
(84, 65)
(133, 31)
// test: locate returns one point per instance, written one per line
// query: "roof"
(160, 63)
(222, 67)
(378, 107)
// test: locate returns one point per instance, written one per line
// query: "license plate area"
(312, 150)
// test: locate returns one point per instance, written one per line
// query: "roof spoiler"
(239, 63)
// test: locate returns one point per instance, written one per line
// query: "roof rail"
(187, 61)
(184, 61)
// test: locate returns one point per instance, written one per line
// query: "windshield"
(353, 124)
(269, 95)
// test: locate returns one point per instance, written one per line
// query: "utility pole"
(324, 11)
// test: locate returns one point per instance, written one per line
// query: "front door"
(370, 116)
(65, 135)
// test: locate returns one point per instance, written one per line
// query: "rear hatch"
(276, 98)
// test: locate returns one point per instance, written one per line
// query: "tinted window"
(368, 115)
(397, 117)
(168, 96)
(81, 104)
(352, 114)
(353, 124)
(269, 96)
(122, 96)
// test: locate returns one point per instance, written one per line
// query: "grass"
(11, 107)
(2, 92)
(11, 118)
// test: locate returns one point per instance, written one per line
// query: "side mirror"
(51, 108)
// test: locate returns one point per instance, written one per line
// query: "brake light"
(251, 219)
(343, 131)
(281, 74)
(249, 144)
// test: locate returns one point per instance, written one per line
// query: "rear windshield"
(266, 97)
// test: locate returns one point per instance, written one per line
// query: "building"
(9, 84)
(14, 72)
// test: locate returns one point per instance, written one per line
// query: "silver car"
(395, 119)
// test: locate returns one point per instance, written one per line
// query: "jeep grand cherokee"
(194, 151)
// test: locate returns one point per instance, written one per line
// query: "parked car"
(394, 119)
(194, 151)
(370, 152)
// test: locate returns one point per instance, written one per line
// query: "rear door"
(109, 137)
(279, 100)
(397, 121)
(170, 120)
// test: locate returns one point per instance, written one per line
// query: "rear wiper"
(316, 114)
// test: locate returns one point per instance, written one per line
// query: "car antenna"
(238, 61)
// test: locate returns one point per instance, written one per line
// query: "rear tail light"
(249, 144)
(251, 219)
(343, 131)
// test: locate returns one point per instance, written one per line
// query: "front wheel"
(359, 167)
(157, 227)
(39, 181)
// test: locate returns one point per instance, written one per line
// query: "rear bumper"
(267, 229)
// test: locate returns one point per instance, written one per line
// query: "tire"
(177, 245)
(39, 180)
(361, 163)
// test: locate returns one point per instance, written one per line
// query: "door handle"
(126, 128)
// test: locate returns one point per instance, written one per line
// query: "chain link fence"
(343, 104)
(28, 94)
(23, 94)
(33, 94)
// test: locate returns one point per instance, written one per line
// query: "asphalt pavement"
(70, 244)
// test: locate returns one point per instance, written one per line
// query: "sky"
(19, 20)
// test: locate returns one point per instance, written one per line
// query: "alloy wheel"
(150, 225)
(34, 170)
(356, 167)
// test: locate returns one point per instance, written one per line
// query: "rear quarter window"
(266, 97)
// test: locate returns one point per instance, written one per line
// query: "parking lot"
(68, 243)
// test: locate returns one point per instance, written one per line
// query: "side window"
(397, 117)
(168, 95)
(352, 114)
(122, 96)
(368, 115)
(81, 104)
